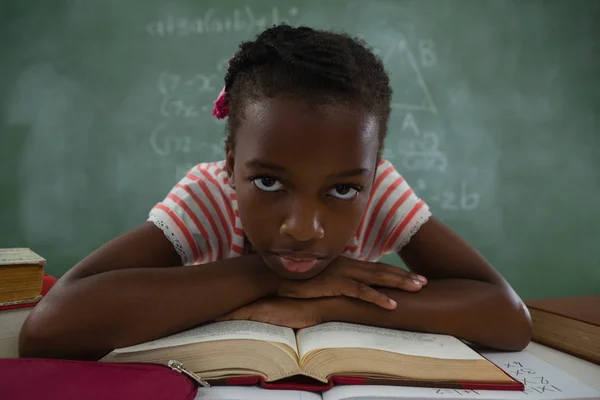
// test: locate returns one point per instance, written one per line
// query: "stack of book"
(22, 285)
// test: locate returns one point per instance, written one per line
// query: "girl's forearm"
(88, 317)
(472, 310)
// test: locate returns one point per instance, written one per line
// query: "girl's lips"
(298, 265)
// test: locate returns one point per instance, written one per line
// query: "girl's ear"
(229, 164)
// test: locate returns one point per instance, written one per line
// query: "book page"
(19, 255)
(220, 331)
(253, 393)
(542, 381)
(342, 334)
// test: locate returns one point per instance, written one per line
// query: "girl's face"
(302, 176)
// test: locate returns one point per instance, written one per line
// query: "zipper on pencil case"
(176, 366)
(179, 367)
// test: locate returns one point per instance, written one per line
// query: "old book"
(12, 318)
(21, 276)
(569, 324)
(543, 381)
(247, 352)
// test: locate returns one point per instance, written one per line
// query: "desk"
(585, 371)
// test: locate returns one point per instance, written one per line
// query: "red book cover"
(311, 385)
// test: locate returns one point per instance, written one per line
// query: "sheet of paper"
(252, 393)
(542, 382)
(220, 331)
(341, 334)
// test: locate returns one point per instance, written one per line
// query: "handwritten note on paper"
(542, 382)
(19, 256)
(533, 381)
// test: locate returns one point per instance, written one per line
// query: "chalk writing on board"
(164, 144)
(462, 199)
(419, 151)
(427, 53)
(170, 83)
(218, 22)
(181, 95)
(405, 74)
(423, 154)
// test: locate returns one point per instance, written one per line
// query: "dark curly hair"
(318, 65)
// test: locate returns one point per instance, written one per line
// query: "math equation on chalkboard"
(186, 100)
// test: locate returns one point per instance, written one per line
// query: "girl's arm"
(119, 296)
(465, 296)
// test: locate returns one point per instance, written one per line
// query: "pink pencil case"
(53, 379)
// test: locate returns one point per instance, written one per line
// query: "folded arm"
(122, 294)
(465, 296)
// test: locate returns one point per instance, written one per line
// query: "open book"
(542, 381)
(247, 352)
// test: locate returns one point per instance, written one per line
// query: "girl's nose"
(303, 223)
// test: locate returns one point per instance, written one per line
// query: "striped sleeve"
(194, 216)
(394, 213)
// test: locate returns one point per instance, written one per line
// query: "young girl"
(289, 228)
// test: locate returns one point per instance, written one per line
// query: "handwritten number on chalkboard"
(427, 51)
(449, 202)
(468, 201)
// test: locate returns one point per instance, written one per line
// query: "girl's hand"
(293, 313)
(353, 278)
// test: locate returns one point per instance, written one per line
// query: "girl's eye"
(267, 184)
(344, 192)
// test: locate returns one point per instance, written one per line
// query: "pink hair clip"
(221, 108)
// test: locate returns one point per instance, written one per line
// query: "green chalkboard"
(105, 104)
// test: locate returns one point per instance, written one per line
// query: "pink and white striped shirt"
(200, 216)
